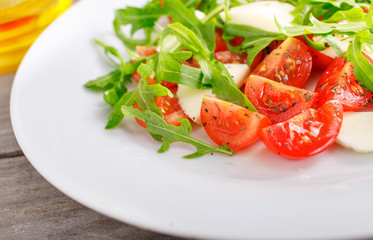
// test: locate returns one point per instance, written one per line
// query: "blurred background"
(21, 22)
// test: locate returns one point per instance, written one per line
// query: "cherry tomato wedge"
(306, 134)
(338, 81)
(279, 102)
(231, 124)
(170, 109)
(290, 63)
(320, 60)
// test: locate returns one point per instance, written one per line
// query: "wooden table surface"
(31, 208)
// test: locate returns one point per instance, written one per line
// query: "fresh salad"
(238, 69)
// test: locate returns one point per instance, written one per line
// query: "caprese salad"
(239, 69)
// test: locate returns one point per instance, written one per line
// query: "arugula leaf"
(301, 12)
(179, 13)
(104, 82)
(334, 45)
(111, 52)
(336, 3)
(369, 17)
(319, 27)
(363, 69)
(170, 69)
(140, 18)
(114, 82)
(143, 95)
(129, 41)
(215, 74)
(352, 15)
(208, 6)
(157, 126)
(112, 95)
(315, 45)
(255, 39)
(191, 3)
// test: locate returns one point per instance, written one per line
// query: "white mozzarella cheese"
(238, 72)
(190, 99)
(356, 131)
(261, 14)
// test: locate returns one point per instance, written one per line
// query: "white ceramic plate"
(255, 194)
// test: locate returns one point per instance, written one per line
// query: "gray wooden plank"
(31, 208)
(8, 144)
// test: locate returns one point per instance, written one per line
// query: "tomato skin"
(290, 63)
(231, 124)
(170, 108)
(320, 60)
(219, 41)
(146, 50)
(338, 81)
(279, 102)
(230, 57)
(306, 134)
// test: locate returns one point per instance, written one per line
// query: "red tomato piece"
(136, 76)
(170, 109)
(320, 60)
(306, 134)
(290, 63)
(231, 124)
(273, 45)
(279, 102)
(230, 57)
(146, 50)
(219, 41)
(338, 81)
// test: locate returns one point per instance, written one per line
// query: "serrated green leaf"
(179, 13)
(104, 82)
(140, 18)
(157, 126)
(215, 74)
(319, 27)
(334, 45)
(255, 39)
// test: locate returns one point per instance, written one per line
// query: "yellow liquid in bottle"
(21, 22)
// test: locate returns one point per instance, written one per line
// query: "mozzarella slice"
(357, 131)
(261, 14)
(190, 99)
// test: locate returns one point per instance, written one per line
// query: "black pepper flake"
(215, 117)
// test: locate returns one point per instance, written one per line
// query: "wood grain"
(31, 208)
(8, 144)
